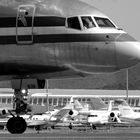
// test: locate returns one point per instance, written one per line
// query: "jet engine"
(73, 113)
(4, 112)
(112, 117)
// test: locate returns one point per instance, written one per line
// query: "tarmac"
(117, 133)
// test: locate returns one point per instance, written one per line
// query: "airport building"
(60, 97)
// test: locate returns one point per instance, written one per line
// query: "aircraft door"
(24, 24)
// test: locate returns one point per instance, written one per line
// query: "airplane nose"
(127, 51)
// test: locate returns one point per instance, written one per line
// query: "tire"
(93, 127)
(70, 126)
(16, 125)
(38, 127)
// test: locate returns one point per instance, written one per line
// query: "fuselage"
(48, 39)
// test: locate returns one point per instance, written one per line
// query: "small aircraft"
(40, 120)
(126, 113)
(98, 114)
(103, 117)
(74, 114)
(52, 39)
(66, 115)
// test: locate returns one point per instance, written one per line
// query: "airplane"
(38, 121)
(43, 39)
(75, 114)
(126, 113)
(103, 117)
(66, 115)
(99, 114)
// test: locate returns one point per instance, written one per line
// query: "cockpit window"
(87, 22)
(104, 22)
(73, 22)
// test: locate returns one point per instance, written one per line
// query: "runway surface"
(66, 134)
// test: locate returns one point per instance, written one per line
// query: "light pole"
(47, 91)
(127, 86)
(47, 86)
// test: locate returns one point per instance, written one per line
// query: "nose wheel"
(16, 125)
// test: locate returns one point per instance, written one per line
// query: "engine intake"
(70, 112)
(112, 117)
(73, 113)
(112, 114)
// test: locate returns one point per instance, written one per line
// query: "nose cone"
(127, 51)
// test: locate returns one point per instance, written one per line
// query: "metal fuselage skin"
(35, 41)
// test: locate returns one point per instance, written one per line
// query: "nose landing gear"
(16, 124)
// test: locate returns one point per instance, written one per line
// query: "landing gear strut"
(93, 127)
(16, 124)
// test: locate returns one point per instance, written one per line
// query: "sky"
(124, 13)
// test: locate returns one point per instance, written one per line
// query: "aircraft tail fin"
(124, 108)
(77, 105)
(97, 104)
(110, 106)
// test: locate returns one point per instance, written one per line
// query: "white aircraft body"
(39, 120)
(103, 117)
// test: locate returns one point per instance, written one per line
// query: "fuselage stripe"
(61, 38)
(37, 21)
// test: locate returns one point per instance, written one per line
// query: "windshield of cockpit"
(104, 22)
(88, 22)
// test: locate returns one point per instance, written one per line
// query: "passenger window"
(64, 101)
(30, 101)
(59, 101)
(9, 100)
(87, 22)
(35, 101)
(79, 99)
(104, 22)
(83, 100)
(50, 101)
(73, 22)
(40, 101)
(3, 100)
(54, 101)
(45, 101)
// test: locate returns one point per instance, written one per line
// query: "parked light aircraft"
(39, 120)
(99, 113)
(46, 39)
(126, 113)
(74, 113)
(67, 114)
(103, 117)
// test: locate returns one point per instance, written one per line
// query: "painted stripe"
(6, 22)
(60, 38)
(57, 30)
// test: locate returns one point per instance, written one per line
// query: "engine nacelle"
(4, 111)
(112, 117)
(112, 114)
(73, 113)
